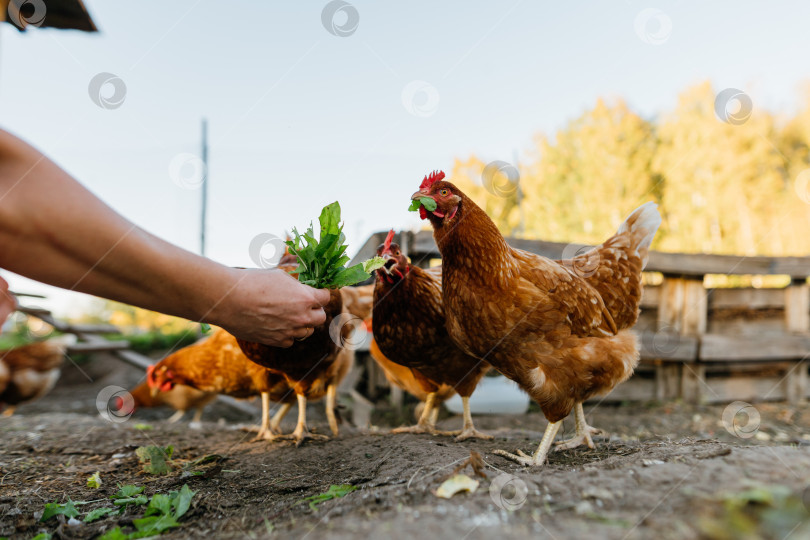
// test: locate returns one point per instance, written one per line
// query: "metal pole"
(204, 209)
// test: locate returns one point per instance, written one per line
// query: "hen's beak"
(419, 195)
(389, 263)
(154, 392)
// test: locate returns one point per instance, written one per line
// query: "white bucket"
(494, 395)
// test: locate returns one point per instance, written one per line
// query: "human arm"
(54, 230)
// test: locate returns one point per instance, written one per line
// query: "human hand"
(7, 302)
(270, 307)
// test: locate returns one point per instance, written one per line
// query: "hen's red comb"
(434, 177)
(388, 239)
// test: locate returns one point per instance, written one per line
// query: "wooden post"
(795, 384)
(683, 309)
(797, 306)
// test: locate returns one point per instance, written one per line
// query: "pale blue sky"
(300, 117)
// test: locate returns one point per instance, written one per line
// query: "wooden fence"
(699, 344)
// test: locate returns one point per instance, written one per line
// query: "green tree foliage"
(722, 187)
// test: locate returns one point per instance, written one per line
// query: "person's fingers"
(320, 297)
(302, 333)
(315, 317)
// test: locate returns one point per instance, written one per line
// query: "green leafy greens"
(321, 262)
(429, 204)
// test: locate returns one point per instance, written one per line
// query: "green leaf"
(43, 536)
(334, 492)
(154, 459)
(143, 427)
(160, 504)
(429, 204)
(137, 501)
(182, 502)
(94, 481)
(349, 276)
(373, 264)
(205, 328)
(115, 534)
(127, 491)
(55, 509)
(155, 524)
(99, 513)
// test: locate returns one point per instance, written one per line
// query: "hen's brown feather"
(409, 328)
(30, 371)
(540, 322)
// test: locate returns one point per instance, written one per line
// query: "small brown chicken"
(181, 398)
(557, 328)
(409, 328)
(216, 365)
(30, 371)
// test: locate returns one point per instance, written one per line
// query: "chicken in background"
(313, 367)
(409, 328)
(216, 365)
(557, 328)
(181, 398)
(403, 377)
(30, 371)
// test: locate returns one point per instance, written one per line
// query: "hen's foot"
(583, 437)
(472, 433)
(523, 458)
(299, 436)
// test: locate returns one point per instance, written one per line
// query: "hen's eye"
(443, 192)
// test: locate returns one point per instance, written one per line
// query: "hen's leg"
(424, 425)
(275, 422)
(175, 417)
(541, 454)
(265, 432)
(331, 398)
(584, 432)
(9, 411)
(301, 432)
(468, 431)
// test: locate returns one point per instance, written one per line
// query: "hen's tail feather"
(642, 225)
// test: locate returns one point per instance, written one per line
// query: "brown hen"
(30, 371)
(216, 365)
(556, 330)
(409, 328)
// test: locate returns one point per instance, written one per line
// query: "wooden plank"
(676, 264)
(722, 348)
(650, 296)
(797, 308)
(84, 348)
(668, 346)
(743, 388)
(747, 298)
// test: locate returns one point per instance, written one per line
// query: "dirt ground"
(665, 471)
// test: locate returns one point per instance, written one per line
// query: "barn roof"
(67, 14)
